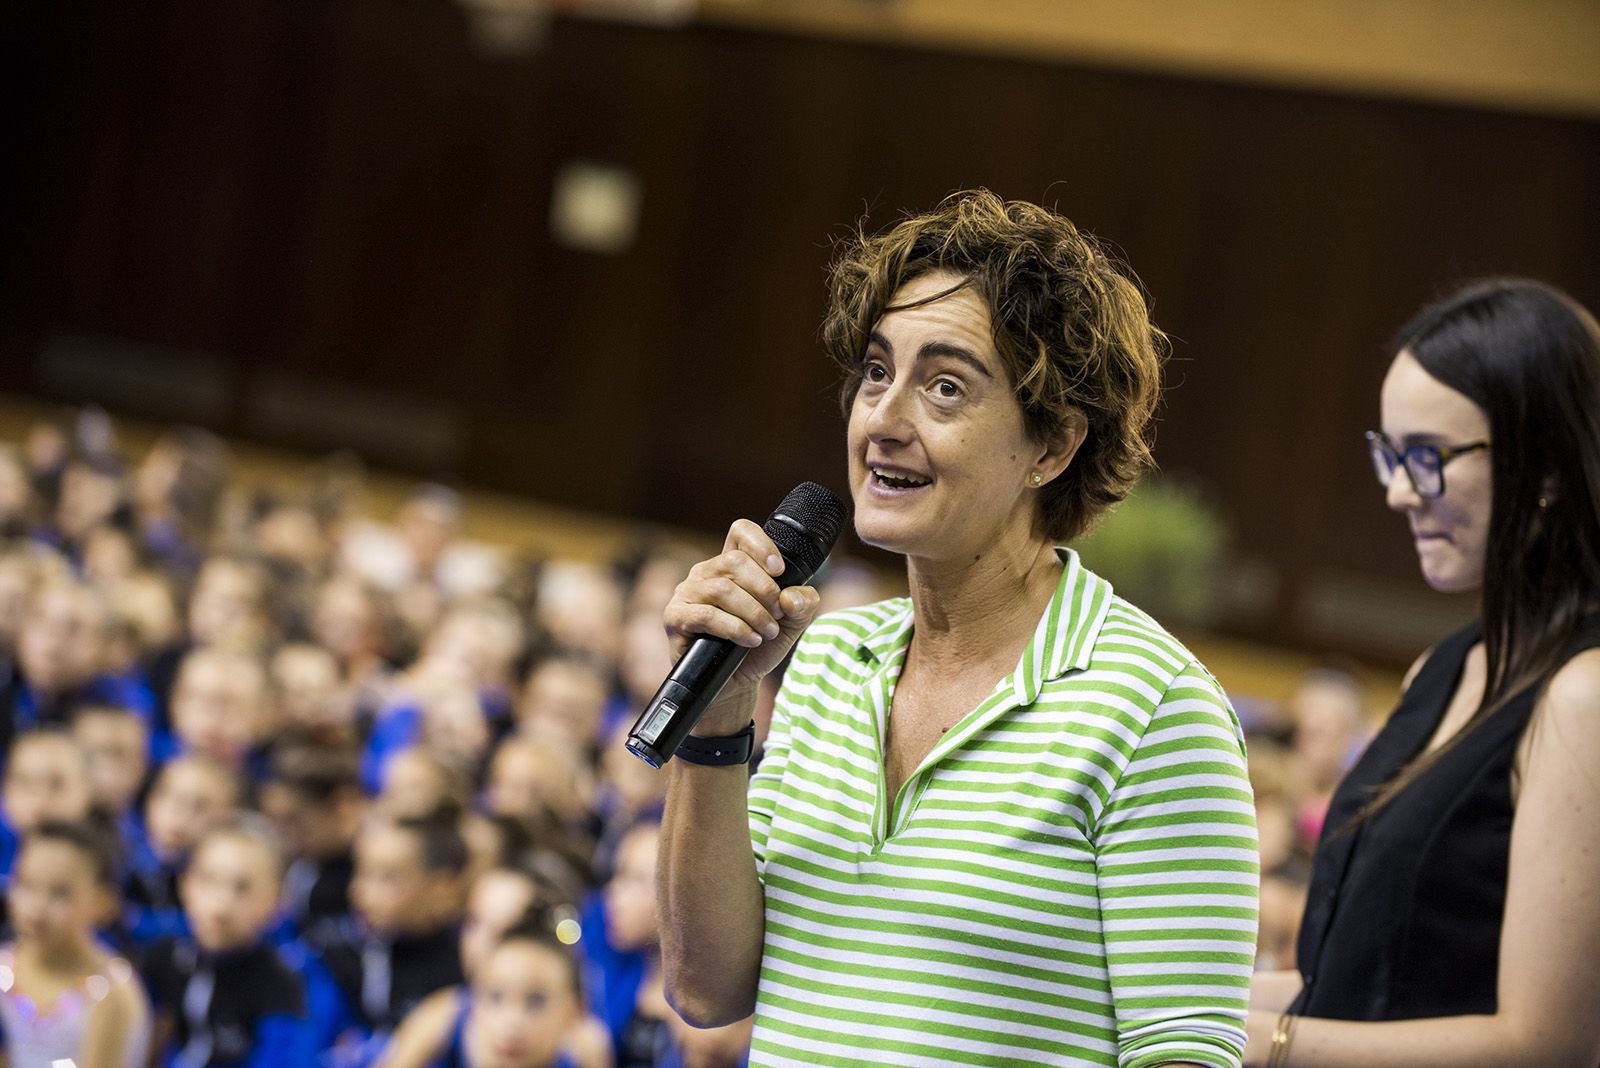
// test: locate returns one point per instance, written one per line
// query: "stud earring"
(1036, 478)
(1544, 502)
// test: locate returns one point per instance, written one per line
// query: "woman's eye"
(947, 389)
(875, 372)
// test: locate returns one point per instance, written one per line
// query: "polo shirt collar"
(890, 638)
(1063, 641)
(1065, 637)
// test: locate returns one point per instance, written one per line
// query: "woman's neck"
(972, 610)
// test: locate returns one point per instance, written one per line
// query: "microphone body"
(804, 528)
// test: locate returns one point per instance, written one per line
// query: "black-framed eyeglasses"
(1424, 464)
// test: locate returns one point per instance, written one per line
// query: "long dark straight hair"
(1528, 356)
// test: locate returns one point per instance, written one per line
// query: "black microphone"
(804, 528)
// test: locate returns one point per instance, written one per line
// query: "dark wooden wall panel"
(349, 192)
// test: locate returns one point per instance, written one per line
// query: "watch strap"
(720, 752)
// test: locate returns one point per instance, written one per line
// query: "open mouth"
(895, 479)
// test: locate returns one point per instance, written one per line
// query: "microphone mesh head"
(818, 512)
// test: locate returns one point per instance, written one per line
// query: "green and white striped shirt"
(1070, 876)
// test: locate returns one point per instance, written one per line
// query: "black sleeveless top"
(1404, 913)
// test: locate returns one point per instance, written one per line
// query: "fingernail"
(775, 564)
(770, 631)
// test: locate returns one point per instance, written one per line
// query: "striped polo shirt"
(1068, 878)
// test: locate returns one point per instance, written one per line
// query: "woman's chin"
(892, 541)
(888, 537)
(1446, 569)
(1451, 580)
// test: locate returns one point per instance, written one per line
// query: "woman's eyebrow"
(1420, 437)
(956, 352)
(934, 349)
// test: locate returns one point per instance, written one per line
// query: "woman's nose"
(1400, 494)
(888, 419)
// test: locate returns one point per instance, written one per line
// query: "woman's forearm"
(1442, 1042)
(709, 896)
(1274, 991)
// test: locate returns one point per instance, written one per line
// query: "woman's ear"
(1056, 454)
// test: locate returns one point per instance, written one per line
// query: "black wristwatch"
(720, 752)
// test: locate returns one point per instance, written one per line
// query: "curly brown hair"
(1069, 323)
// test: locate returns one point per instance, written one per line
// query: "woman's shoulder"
(1572, 697)
(1564, 726)
(1130, 630)
(850, 627)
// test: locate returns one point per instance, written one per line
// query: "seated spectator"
(94, 493)
(228, 607)
(646, 659)
(65, 999)
(291, 541)
(46, 781)
(484, 639)
(116, 744)
(531, 782)
(20, 571)
(434, 705)
(176, 490)
(402, 945)
(580, 610)
(525, 1003)
(61, 658)
(219, 709)
(191, 796)
(630, 792)
(312, 700)
(224, 996)
(432, 1034)
(417, 783)
(350, 619)
(1328, 713)
(562, 699)
(144, 609)
(622, 964)
(313, 797)
(424, 548)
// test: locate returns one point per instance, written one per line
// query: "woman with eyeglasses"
(1452, 917)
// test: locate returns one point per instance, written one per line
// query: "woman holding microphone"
(1003, 820)
(1452, 918)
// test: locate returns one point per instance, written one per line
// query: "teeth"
(899, 481)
